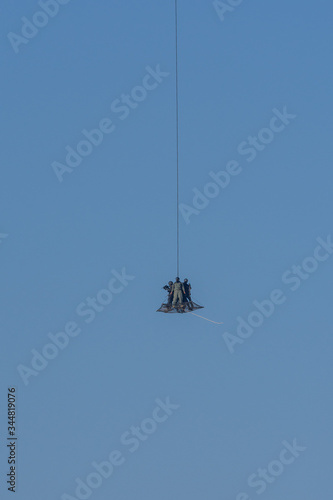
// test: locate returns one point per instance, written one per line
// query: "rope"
(177, 132)
(215, 322)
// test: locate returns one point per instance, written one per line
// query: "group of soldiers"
(179, 294)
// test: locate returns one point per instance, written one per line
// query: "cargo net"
(179, 308)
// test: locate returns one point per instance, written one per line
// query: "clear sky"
(255, 102)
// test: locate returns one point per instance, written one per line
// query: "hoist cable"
(177, 132)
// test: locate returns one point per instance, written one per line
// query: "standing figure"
(188, 288)
(178, 291)
(168, 288)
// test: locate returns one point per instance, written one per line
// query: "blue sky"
(234, 407)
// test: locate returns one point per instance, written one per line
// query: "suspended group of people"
(179, 295)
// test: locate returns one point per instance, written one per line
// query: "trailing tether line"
(177, 131)
(211, 321)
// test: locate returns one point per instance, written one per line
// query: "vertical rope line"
(177, 132)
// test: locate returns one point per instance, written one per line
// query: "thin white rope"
(211, 321)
